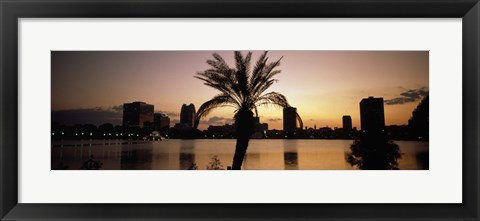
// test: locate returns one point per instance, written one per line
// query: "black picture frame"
(12, 10)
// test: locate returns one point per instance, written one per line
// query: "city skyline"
(322, 85)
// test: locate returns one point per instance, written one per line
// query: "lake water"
(262, 154)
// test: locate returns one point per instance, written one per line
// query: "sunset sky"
(90, 87)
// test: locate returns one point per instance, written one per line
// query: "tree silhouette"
(418, 123)
(215, 164)
(373, 151)
(244, 89)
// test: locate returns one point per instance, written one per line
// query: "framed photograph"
(239, 110)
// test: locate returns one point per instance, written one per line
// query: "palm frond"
(223, 85)
(242, 72)
(240, 86)
(258, 69)
(264, 86)
(221, 100)
(221, 77)
(218, 63)
(264, 79)
(273, 98)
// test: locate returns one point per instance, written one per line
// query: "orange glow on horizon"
(322, 85)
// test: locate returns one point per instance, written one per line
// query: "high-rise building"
(137, 114)
(187, 115)
(289, 119)
(161, 121)
(347, 123)
(372, 116)
(260, 127)
(256, 120)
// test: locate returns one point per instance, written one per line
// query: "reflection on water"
(290, 155)
(373, 151)
(136, 159)
(200, 154)
(91, 164)
(291, 160)
(187, 156)
(422, 160)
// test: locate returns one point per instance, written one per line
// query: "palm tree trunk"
(240, 150)
(244, 125)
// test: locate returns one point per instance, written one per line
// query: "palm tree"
(244, 89)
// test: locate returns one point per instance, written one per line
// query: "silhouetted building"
(161, 121)
(418, 123)
(264, 127)
(137, 114)
(372, 117)
(256, 120)
(260, 130)
(289, 119)
(347, 123)
(182, 126)
(187, 115)
(225, 131)
(260, 127)
(373, 150)
(326, 132)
